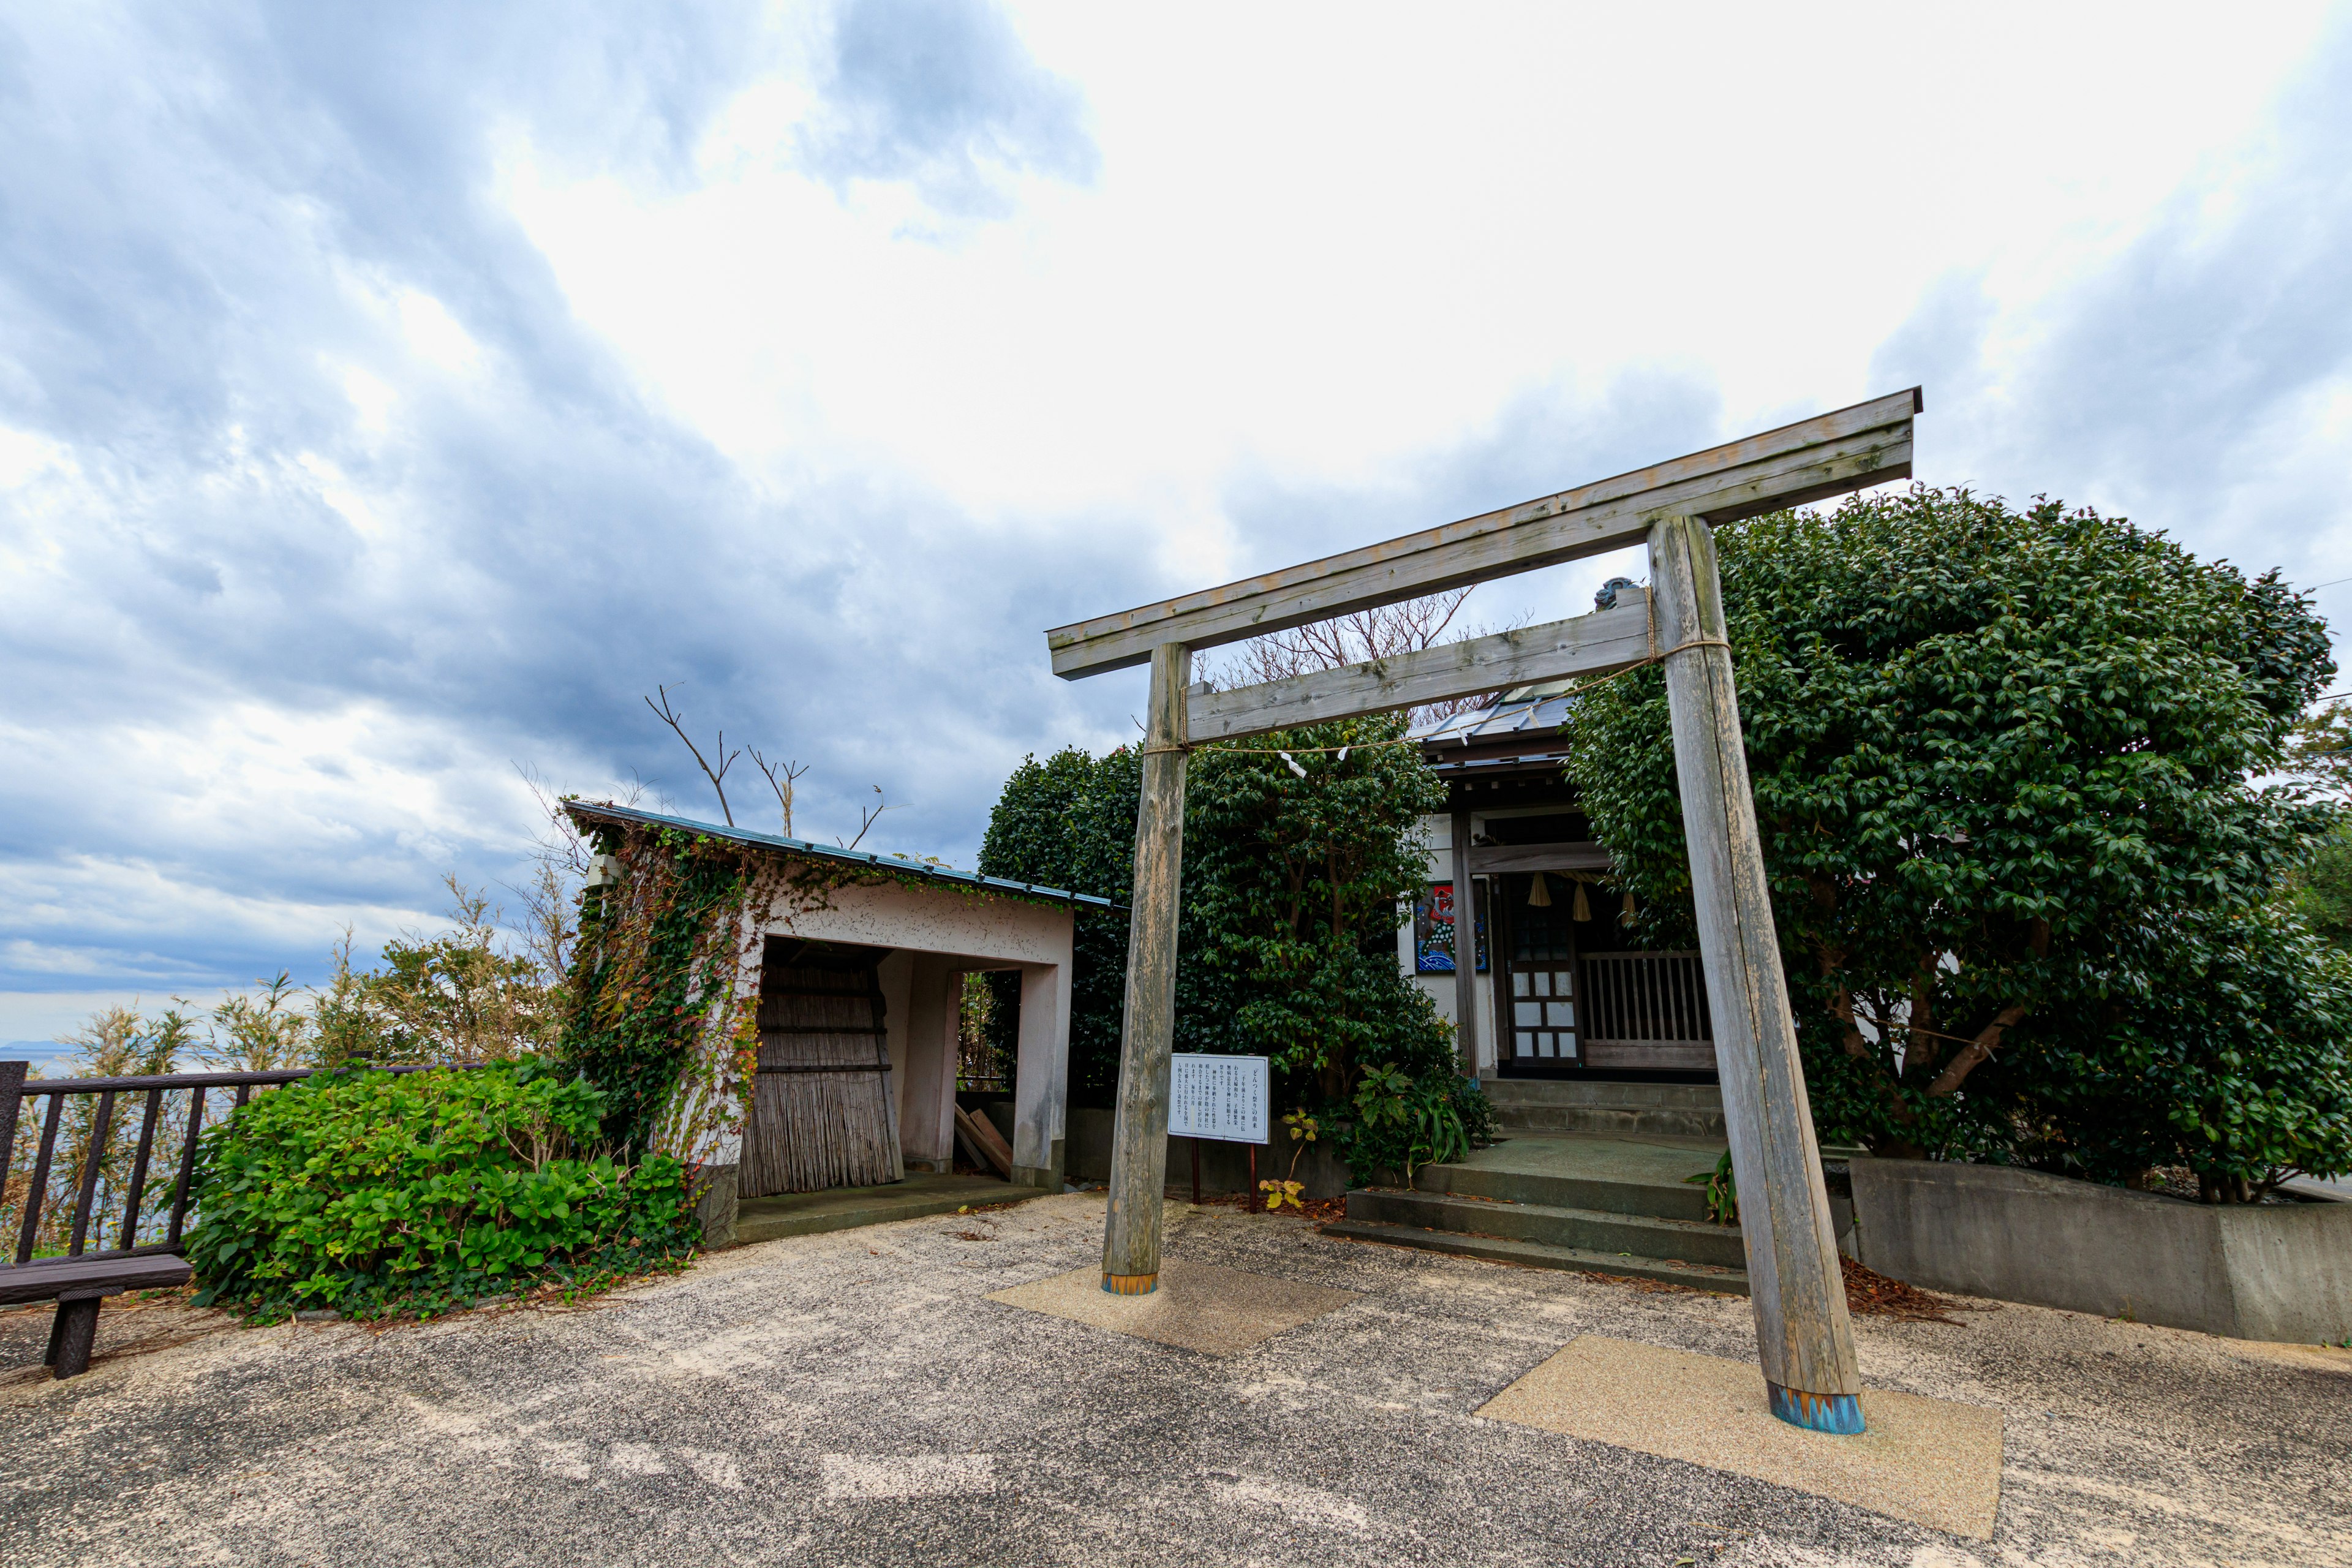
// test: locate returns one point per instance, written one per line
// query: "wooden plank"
(982, 1135)
(178, 1080)
(130, 1236)
(187, 1165)
(1847, 450)
(102, 1125)
(1139, 1149)
(42, 1281)
(1583, 645)
(1496, 860)
(12, 1096)
(1796, 1291)
(37, 1191)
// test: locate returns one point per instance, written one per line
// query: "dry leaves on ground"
(1867, 1291)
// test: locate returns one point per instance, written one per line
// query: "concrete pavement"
(856, 1397)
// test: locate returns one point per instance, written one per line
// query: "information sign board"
(1228, 1099)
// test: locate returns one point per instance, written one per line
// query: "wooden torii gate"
(1797, 1288)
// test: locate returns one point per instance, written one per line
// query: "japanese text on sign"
(1223, 1098)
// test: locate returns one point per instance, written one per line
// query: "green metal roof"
(589, 811)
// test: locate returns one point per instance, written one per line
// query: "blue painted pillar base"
(1838, 1413)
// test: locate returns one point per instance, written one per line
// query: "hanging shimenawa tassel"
(1295, 768)
(1540, 897)
(1627, 918)
(1583, 910)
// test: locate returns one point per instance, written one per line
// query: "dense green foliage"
(1070, 822)
(1288, 942)
(458, 996)
(370, 1192)
(2320, 754)
(2322, 888)
(2002, 765)
(2223, 1049)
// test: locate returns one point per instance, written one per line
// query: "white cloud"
(434, 333)
(400, 398)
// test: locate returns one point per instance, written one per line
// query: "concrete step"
(1541, 1254)
(1587, 1105)
(1597, 1231)
(1610, 1194)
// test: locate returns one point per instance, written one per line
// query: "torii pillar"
(1804, 1338)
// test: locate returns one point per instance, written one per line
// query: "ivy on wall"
(655, 977)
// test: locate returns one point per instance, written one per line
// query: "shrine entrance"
(1797, 1294)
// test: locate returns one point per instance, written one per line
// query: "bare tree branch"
(868, 816)
(780, 778)
(726, 760)
(1377, 633)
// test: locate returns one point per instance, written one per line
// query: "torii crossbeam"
(1796, 1285)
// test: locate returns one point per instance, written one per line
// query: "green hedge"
(373, 1192)
(1295, 872)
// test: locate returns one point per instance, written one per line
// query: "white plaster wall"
(1002, 934)
(926, 1072)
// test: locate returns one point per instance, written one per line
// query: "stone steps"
(1613, 1194)
(1603, 1203)
(1583, 1105)
(1585, 1230)
(1540, 1255)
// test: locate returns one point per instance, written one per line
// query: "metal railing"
(1645, 998)
(109, 1173)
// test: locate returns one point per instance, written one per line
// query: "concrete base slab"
(845, 1208)
(1930, 1461)
(1198, 1306)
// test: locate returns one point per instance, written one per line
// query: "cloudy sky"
(390, 395)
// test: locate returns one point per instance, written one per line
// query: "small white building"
(853, 964)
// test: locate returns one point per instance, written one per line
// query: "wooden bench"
(77, 1285)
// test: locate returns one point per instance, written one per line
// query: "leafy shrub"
(2222, 1045)
(373, 1192)
(2007, 766)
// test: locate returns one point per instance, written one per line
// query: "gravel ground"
(855, 1398)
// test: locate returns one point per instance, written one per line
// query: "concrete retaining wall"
(1224, 1167)
(2269, 1271)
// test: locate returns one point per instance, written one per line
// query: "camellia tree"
(2028, 888)
(1295, 871)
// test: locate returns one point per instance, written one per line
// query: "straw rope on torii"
(1805, 1342)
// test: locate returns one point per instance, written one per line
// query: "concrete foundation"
(1602, 1105)
(848, 1208)
(1224, 1167)
(2269, 1272)
(715, 1207)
